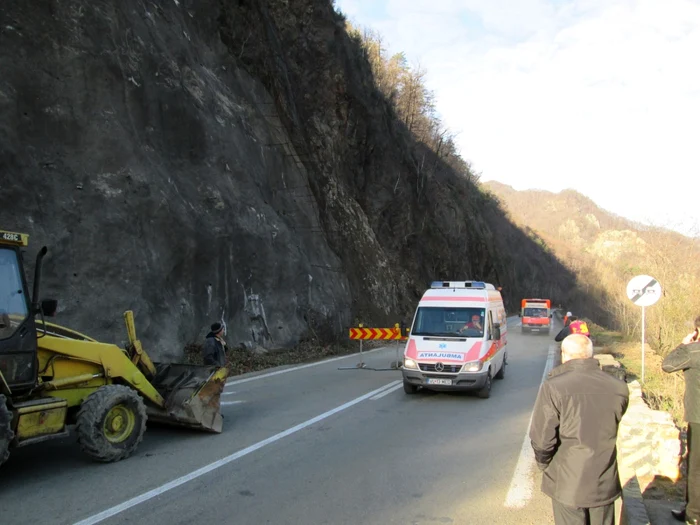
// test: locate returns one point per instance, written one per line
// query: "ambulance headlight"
(409, 363)
(474, 366)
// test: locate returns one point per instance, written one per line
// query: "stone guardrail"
(648, 444)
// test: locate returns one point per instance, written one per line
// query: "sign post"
(402, 328)
(385, 334)
(643, 291)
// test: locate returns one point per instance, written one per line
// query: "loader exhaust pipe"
(37, 279)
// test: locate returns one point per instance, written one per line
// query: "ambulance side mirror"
(496, 335)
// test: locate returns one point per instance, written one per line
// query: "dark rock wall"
(204, 160)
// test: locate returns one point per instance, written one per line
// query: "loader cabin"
(18, 344)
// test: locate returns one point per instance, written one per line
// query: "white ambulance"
(457, 340)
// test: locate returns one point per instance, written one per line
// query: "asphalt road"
(311, 445)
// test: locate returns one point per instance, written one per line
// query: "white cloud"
(602, 96)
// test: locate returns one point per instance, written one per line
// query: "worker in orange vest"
(575, 326)
(566, 318)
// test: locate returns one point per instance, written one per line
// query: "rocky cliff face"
(205, 160)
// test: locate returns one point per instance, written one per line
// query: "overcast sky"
(602, 96)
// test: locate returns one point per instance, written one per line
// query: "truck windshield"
(13, 303)
(535, 312)
(447, 321)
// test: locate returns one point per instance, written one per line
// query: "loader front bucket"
(192, 395)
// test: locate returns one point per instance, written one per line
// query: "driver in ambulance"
(474, 324)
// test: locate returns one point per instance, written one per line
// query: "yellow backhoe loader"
(52, 378)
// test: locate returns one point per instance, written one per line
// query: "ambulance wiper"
(440, 334)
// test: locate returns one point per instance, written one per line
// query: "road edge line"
(521, 484)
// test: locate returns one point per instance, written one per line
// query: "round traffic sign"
(643, 290)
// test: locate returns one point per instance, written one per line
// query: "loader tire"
(111, 423)
(6, 433)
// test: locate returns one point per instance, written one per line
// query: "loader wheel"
(111, 423)
(6, 433)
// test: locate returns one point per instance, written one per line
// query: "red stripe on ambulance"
(448, 299)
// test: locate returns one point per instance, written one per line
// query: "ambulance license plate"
(433, 381)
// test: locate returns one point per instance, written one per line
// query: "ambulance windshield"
(449, 321)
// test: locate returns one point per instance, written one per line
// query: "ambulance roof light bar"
(479, 285)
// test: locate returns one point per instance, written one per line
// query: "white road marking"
(286, 370)
(227, 393)
(384, 388)
(522, 484)
(117, 509)
(226, 403)
(396, 386)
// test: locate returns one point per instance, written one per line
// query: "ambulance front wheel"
(409, 388)
(485, 391)
(502, 372)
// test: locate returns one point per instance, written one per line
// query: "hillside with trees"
(605, 251)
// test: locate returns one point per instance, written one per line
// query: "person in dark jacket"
(686, 357)
(214, 351)
(574, 326)
(574, 434)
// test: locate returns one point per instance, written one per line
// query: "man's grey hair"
(576, 346)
